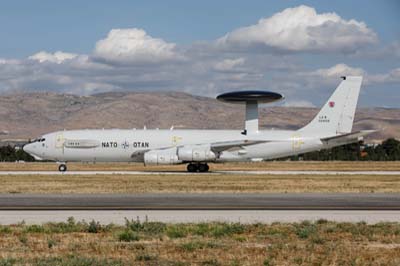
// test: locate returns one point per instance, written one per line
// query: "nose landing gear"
(62, 167)
(198, 167)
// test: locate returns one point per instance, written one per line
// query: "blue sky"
(75, 25)
(185, 54)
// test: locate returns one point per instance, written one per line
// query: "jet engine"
(167, 156)
(196, 153)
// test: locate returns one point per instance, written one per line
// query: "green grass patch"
(305, 229)
(70, 226)
(8, 261)
(176, 231)
(128, 236)
(146, 257)
(194, 245)
(146, 228)
(5, 230)
(76, 261)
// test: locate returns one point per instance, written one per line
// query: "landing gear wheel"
(62, 168)
(203, 167)
(192, 168)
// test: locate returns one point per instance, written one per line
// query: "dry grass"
(176, 183)
(275, 165)
(196, 183)
(320, 243)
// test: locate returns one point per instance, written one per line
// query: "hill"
(32, 114)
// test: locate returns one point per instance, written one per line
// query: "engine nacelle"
(196, 154)
(161, 157)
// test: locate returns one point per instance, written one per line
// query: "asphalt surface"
(251, 172)
(312, 201)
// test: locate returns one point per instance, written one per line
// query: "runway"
(275, 201)
(250, 172)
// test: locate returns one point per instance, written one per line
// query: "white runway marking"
(118, 217)
(90, 173)
(394, 173)
(314, 172)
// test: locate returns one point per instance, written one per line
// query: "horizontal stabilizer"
(347, 138)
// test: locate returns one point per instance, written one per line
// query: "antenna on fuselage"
(251, 99)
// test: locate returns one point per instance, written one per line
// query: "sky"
(298, 48)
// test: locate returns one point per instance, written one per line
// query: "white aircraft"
(331, 127)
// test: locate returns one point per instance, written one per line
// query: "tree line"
(389, 150)
(10, 154)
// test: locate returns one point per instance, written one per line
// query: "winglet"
(347, 138)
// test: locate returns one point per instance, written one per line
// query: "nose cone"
(28, 148)
(32, 149)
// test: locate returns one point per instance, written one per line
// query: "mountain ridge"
(28, 115)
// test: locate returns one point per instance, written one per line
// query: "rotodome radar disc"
(250, 96)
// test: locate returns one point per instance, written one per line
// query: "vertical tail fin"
(337, 115)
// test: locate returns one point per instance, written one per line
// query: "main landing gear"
(198, 167)
(62, 167)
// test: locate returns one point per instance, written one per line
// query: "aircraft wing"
(347, 138)
(138, 156)
(215, 147)
(226, 145)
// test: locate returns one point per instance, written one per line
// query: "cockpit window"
(38, 140)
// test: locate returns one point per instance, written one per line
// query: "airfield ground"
(274, 165)
(319, 243)
(202, 183)
(197, 184)
(154, 243)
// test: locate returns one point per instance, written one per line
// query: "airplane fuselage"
(121, 145)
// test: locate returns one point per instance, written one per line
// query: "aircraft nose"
(27, 148)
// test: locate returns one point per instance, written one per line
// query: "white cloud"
(337, 71)
(96, 87)
(298, 103)
(229, 64)
(331, 75)
(131, 60)
(57, 57)
(302, 29)
(134, 46)
(390, 51)
(392, 77)
(323, 79)
(394, 49)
